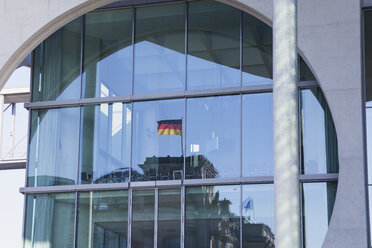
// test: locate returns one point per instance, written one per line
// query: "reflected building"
(171, 168)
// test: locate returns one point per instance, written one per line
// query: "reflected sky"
(213, 130)
(317, 198)
(257, 136)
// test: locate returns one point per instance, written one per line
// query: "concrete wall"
(329, 39)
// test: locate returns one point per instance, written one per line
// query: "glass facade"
(162, 130)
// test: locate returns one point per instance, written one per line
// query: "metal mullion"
(74, 187)
(90, 219)
(28, 145)
(24, 218)
(302, 215)
(152, 96)
(299, 121)
(183, 202)
(76, 219)
(131, 144)
(129, 217)
(185, 107)
(79, 145)
(32, 75)
(241, 47)
(184, 142)
(82, 54)
(41, 72)
(156, 216)
(307, 84)
(330, 177)
(133, 44)
(186, 40)
(241, 215)
(241, 134)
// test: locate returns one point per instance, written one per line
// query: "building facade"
(100, 171)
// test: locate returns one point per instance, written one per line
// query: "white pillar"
(285, 124)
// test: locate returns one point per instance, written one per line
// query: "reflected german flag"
(170, 127)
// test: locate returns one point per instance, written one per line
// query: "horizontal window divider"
(161, 96)
(146, 184)
(307, 84)
(330, 177)
(173, 183)
(73, 188)
(12, 164)
(168, 184)
(227, 181)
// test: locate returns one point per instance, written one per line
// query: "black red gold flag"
(170, 127)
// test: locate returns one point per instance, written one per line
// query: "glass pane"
(108, 53)
(257, 51)
(50, 220)
(212, 216)
(169, 219)
(54, 143)
(159, 63)
(305, 72)
(56, 74)
(105, 215)
(213, 137)
(318, 202)
(105, 143)
(370, 208)
(368, 56)
(213, 59)
(319, 148)
(157, 140)
(143, 218)
(257, 137)
(258, 215)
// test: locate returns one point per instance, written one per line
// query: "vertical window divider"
(37, 147)
(241, 133)
(241, 96)
(130, 191)
(133, 37)
(185, 100)
(41, 72)
(79, 145)
(76, 219)
(90, 219)
(241, 48)
(123, 121)
(183, 202)
(82, 39)
(300, 131)
(82, 53)
(109, 122)
(186, 40)
(33, 220)
(302, 236)
(241, 215)
(184, 140)
(156, 217)
(131, 145)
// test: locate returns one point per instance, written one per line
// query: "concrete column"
(285, 123)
